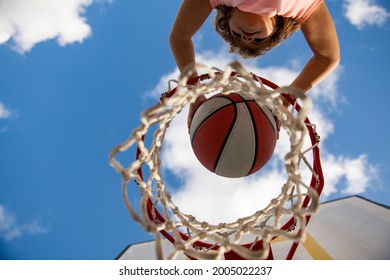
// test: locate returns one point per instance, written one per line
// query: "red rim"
(316, 183)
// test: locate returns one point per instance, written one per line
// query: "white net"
(248, 237)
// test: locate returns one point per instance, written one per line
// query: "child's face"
(250, 27)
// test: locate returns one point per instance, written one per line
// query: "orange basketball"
(231, 136)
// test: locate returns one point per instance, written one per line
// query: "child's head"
(252, 35)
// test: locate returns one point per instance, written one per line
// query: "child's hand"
(287, 104)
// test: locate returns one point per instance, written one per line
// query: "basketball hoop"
(248, 237)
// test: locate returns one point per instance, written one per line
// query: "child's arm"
(191, 16)
(321, 36)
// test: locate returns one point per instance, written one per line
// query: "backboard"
(350, 228)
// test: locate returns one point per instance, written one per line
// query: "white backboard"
(351, 228)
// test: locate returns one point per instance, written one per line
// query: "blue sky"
(74, 82)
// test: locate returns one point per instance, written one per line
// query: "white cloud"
(10, 228)
(26, 22)
(215, 199)
(348, 176)
(4, 112)
(362, 13)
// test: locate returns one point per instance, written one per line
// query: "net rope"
(248, 237)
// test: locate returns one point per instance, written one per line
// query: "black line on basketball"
(275, 128)
(226, 136)
(254, 130)
(209, 116)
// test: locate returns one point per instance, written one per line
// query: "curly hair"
(284, 28)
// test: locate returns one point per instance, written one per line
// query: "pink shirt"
(297, 9)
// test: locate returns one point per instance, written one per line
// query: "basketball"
(232, 136)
